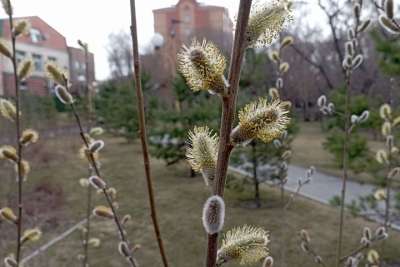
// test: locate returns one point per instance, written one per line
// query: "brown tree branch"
(227, 118)
(142, 132)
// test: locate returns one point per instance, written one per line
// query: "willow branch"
(96, 170)
(18, 136)
(143, 134)
(228, 113)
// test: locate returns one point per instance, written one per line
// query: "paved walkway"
(324, 187)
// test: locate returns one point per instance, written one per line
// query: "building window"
(77, 65)
(23, 85)
(36, 35)
(20, 55)
(38, 61)
(52, 59)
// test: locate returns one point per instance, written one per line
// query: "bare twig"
(18, 136)
(143, 134)
(347, 129)
(89, 188)
(320, 68)
(53, 241)
(228, 113)
(96, 170)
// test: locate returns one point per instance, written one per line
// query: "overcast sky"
(93, 20)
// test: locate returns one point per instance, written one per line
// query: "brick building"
(43, 44)
(178, 25)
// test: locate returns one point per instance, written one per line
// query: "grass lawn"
(57, 169)
(308, 150)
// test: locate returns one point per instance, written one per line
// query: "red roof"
(52, 38)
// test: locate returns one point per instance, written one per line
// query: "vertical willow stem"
(388, 186)
(143, 134)
(228, 114)
(96, 170)
(89, 189)
(18, 135)
(344, 165)
(255, 174)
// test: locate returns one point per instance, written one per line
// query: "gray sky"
(93, 20)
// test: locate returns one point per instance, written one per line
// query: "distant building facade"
(42, 44)
(178, 25)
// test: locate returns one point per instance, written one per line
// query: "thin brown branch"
(320, 68)
(96, 170)
(142, 132)
(85, 261)
(18, 135)
(228, 114)
(346, 142)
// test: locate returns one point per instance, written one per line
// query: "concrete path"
(324, 187)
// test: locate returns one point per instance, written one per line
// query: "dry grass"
(180, 201)
(308, 150)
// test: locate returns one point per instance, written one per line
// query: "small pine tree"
(168, 136)
(116, 108)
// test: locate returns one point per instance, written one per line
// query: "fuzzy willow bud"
(203, 66)
(246, 244)
(24, 169)
(8, 110)
(124, 250)
(367, 233)
(56, 74)
(305, 236)
(202, 152)
(385, 112)
(284, 67)
(364, 116)
(10, 262)
(380, 233)
(373, 256)
(31, 235)
(386, 128)
(8, 215)
(394, 172)
(357, 10)
(261, 120)
(5, 50)
(103, 211)
(274, 56)
(7, 7)
(363, 26)
(8, 152)
(29, 136)
(381, 157)
(389, 9)
(266, 22)
(321, 101)
(25, 69)
(97, 182)
(22, 27)
(349, 48)
(96, 131)
(126, 219)
(357, 61)
(213, 214)
(388, 24)
(96, 146)
(268, 262)
(288, 40)
(63, 95)
(274, 93)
